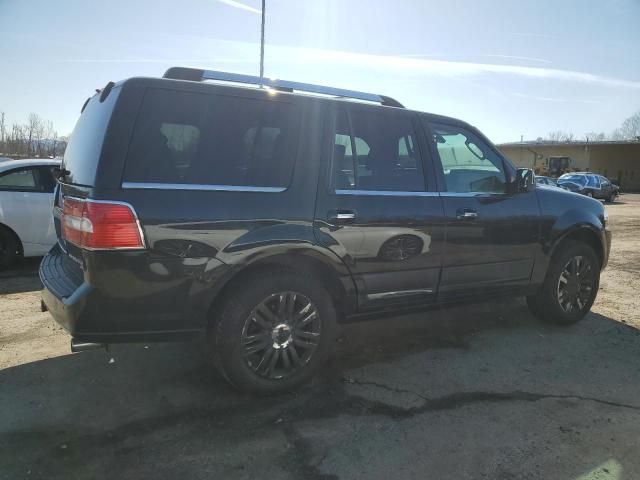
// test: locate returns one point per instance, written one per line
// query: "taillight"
(100, 225)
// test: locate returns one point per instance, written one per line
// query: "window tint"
(376, 151)
(85, 145)
(469, 164)
(46, 181)
(23, 179)
(183, 137)
(592, 181)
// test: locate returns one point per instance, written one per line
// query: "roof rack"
(199, 75)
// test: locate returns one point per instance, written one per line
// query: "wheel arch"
(321, 264)
(15, 235)
(585, 234)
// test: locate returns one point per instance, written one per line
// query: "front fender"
(573, 223)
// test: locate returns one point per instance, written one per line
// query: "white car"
(26, 202)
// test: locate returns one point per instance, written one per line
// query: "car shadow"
(127, 411)
(21, 277)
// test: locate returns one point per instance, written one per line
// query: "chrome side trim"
(473, 194)
(401, 293)
(201, 187)
(386, 193)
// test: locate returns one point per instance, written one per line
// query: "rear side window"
(21, 180)
(85, 145)
(376, 150)
(192, 138)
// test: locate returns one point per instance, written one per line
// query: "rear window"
(193, 138)
(83, 152)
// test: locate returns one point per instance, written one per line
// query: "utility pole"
(262, 45)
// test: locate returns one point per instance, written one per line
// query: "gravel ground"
(480, 391)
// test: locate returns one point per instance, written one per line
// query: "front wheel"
(274, 332)
(570, 287)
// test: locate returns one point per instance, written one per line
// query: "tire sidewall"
(548, 301)
(225, 338)
(7, 258)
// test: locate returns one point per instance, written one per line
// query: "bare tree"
(595, 137)
(33, 131)
(35, 137)
(560, 136)
(3, 132)
(617, 134)
(555, 136)
(631, 127)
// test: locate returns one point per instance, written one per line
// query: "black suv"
(263, 218)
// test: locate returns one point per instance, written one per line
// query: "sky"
(511, 68)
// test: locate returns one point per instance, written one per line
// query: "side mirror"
(525, 180)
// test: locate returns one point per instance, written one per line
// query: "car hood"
(565, 199)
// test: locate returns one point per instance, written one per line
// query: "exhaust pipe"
(77, 346)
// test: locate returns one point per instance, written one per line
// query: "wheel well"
(289, 263)
(584, 235)
(15, 235)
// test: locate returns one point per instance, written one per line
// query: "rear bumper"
(122, 301)
(64, 292)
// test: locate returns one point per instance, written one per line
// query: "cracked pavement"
(476, 391)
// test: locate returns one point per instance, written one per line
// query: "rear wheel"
(274, 332)
(570, 287)
(8, 247)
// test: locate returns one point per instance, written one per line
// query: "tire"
(8, 248)
(253, 320)
(567, 301)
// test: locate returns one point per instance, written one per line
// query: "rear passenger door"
(377, 208)
(492, 231)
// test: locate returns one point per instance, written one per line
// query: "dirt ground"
(479, 391)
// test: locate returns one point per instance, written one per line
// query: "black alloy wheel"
(281, 334)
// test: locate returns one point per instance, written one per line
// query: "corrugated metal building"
(617, 160)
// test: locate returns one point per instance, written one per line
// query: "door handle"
(466, 214)
(342, 216)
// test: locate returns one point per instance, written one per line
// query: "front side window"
(376, 151)
(468, 163)
(20, 180)
(184, 137)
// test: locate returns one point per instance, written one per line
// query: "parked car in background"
(259, 219)
(590, 184)
(26, 202)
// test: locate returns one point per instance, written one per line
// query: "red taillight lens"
(100, 225)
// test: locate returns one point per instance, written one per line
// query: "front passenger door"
(492, 233)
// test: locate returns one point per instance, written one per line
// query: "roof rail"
(199, 75)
